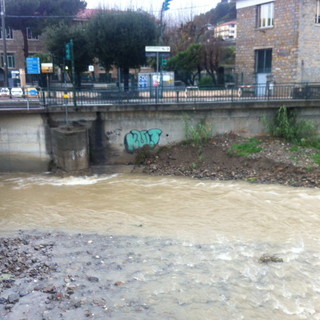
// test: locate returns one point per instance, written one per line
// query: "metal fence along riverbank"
(192, 94)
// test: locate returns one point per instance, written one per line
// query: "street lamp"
(4, 39)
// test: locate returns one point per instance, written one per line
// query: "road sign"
(160, 54)
(33, 65)
(143, 81)
(157, 49)
(47, 67)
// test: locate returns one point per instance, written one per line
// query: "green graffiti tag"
(136, 139)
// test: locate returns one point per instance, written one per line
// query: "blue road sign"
(33, 65)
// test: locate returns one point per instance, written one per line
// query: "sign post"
(47, 68)
(158, 51)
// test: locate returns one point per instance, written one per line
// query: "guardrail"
(176, 95)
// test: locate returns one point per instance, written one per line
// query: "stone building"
(15, 55)
(278, 40)
(16, 61)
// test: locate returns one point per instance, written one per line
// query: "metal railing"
(177, 95)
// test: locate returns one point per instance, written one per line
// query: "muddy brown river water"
(218, 231)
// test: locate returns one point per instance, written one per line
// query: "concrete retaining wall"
(117, 132)
(23, 142)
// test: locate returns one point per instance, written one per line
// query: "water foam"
(22, 182)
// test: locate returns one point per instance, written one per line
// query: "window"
(30, 36)
(9, 33)
(11, 60)
(317, 17)
(265, 15)
(263, 60)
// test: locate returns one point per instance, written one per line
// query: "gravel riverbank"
(51, 276)
(278, 162)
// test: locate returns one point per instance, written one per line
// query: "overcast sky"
(179, 9)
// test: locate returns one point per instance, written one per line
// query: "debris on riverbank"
(278, 162)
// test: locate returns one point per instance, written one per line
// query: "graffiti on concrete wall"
(136, 139)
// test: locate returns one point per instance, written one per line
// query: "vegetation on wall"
(301, 132)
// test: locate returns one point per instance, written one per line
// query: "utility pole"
(4, 39)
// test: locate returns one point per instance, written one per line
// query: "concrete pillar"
(70, 146)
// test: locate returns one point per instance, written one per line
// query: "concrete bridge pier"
(70, 148)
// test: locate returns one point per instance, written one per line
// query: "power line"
(40, 17)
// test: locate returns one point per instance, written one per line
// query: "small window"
(265, 15)
(9, 34)
(30, 36)
(317, 16)
(11, 60)
(263, 60)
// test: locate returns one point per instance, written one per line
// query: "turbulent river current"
(224, 229)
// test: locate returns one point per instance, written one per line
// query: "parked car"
(17, 92)
(4, 92)
(31, 92)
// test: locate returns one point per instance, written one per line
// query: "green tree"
(119, 38)
(187, 64)
(35, 14)
(58, 36)
(223, 12)
(180, 37)
(212, 52)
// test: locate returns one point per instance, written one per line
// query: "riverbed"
(126, 246)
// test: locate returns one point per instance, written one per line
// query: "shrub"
(205, 82)
(247, 148)
(196, 134)
(286, 126)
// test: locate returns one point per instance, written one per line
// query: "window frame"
(264, 56)
(30, 36)
(11, 60)
(9, 33)
(317, 13)
(265, 15)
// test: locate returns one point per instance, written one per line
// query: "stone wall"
(282, 38)
(309, 44)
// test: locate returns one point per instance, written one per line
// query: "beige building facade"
(226, 30)
(278, 40)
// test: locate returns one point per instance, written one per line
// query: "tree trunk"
(25, 42)
(126, 79)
